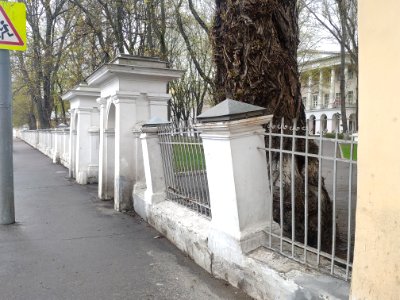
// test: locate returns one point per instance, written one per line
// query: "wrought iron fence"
(313, 184)
(184, 167)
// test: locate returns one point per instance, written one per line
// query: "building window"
(350, 75)
(315, 100)
(338, 96)
(326, 100)
(350, 97)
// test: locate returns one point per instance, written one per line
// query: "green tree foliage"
(69, 39)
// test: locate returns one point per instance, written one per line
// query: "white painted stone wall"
(230, 245)
(51, 142)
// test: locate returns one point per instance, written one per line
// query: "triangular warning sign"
(8, 33)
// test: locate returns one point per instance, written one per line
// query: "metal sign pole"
(7, 213)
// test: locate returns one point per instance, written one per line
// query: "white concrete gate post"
(83, 152)
(57, 150)
(83, 147)
(136, 87)
(237, 178)
(153, 168)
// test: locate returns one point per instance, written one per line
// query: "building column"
(317, 125)
(309, 93)
(329, 126)
(332, 94)
(321, 90)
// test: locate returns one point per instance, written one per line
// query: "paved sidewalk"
(69, 245)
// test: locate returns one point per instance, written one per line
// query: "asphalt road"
(343, 201)
(67, 244)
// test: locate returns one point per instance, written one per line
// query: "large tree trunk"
(255, 47)
(256, 55)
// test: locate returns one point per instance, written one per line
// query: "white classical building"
(320, 80)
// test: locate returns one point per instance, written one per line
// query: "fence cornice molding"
(233, 129)
(215, 126)
(101, 101)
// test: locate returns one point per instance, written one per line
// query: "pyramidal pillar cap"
(231, 110)
(155, 122)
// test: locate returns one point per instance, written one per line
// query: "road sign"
(12, 26)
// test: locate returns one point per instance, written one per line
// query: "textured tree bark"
(256, 55)
(255, 51)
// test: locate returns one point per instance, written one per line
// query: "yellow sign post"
(12, 26)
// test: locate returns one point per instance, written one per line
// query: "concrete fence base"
(262, 273)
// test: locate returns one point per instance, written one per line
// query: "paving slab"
(67, 244)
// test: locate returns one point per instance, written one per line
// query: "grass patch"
(331, 135)
(188, 157)
(346, 148)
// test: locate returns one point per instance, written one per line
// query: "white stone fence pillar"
(57, 146)
(42, 138)
(30, 137)
(237, 178)
(65, 144)
(153, 169)
(84, 133)
(93, 166)
(48, 142)
(52, 142)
